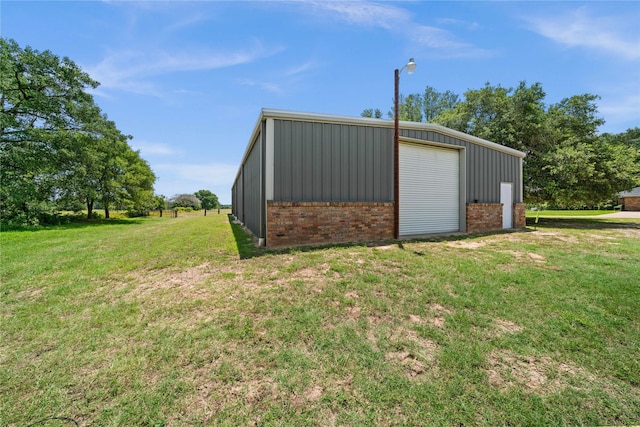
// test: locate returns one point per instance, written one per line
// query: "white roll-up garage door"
(429, 190)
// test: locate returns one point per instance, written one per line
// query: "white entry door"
(506, 198)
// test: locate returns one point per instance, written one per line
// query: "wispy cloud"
(363, 12)
(471, 26)
(578, 28)
(397, 20)
(133, 70)
(302, 68)
(188, 22)
(277, 83)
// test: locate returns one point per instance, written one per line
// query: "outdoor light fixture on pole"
(411, 67)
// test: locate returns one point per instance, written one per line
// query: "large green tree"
(435, 102)
(418, 107)
(136, 192)
(581, 167)
(103, 168)
(56, 147)
(208, 200)
(42, 99)
(371, 113)
(568, 164)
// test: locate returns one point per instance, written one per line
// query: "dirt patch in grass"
(385, 247)
(404, 346)
(467, 244)
(414, 366)
(507, 370)
(439, 313)
(435, 318)
(503, 327)
(629, 232)
(314, 278)
(182, 282)
(563, 237)
(308, 395)
(29, 294)
(252, 392)
(353, 312)
(526, 256)
(540, 375)
(312, 272)
(416, 354)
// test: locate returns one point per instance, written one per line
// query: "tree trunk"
(160, 213)
(106, 211)
(89, 209)
(205, 212)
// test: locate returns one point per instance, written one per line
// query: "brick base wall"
(484, 217)
(315, 223)
(488, 216)
(519, 215)
(631, 203)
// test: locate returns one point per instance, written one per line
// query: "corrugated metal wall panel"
(332, 162)
(343, 162)
(240, 196)
(234, 199)
(327, 173)
(253, 190)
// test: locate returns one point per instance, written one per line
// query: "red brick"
(631, 203)
(312, 223)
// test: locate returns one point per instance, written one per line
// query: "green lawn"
(567, 213)
(181, 322)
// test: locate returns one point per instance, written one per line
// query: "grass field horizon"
(182, 321)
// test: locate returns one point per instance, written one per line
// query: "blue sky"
(188, 79)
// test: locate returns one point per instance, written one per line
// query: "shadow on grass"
(244, 240)
(75, 224)
(584, 223)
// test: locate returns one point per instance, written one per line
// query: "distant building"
(308, 179)
(630, 200)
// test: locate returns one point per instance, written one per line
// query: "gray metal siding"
(239, 205)
(317, 162)
(252, 205)
(341, 162)
(486, 168)
(234, 199)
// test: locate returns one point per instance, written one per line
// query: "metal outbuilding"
(318, 179)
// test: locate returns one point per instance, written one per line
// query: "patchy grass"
(181, 321)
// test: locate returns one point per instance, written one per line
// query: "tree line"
(58, 151)
(568, 164)
(201, 199)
